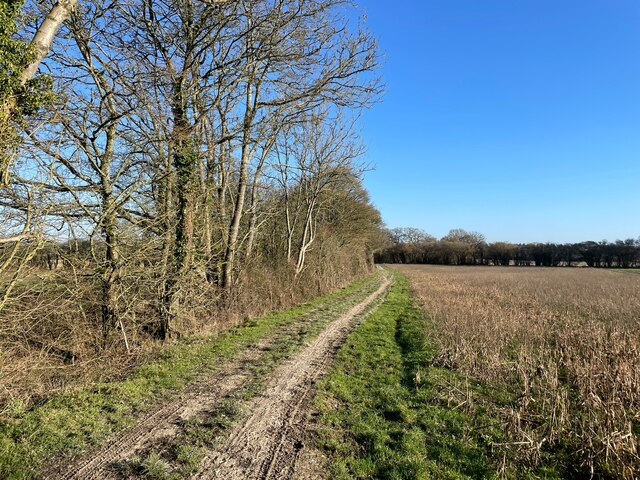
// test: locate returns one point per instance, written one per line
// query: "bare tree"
(403, 235)
(329, 68)
(328, 154)
(178, 43)
(88, 164)
(195, 147)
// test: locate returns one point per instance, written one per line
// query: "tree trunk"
(111, 272)
(184, 156)
(43, 39)
(308, 237)
(234, 227)
(253, 220)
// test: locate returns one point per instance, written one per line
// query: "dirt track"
(269, 442)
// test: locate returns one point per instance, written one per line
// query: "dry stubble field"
(564, 344)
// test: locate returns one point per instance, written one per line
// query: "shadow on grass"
(387, 412)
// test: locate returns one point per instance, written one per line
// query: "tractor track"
(269, 442)
(160, 423)
(265, 444)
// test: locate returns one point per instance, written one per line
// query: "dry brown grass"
(52, 338)
(565, 341)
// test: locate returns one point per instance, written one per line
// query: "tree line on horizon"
(170, 166)
(460, 247)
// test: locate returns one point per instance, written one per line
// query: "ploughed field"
(562, 344)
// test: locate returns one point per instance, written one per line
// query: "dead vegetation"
(177, 188)
(564, 341)
(52, 336)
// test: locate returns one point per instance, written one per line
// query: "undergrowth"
(70, 422)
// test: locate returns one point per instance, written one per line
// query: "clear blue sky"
(519, 119)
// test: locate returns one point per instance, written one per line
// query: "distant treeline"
(459, 247)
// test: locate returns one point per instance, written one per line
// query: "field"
(416, 373)
(564, 347)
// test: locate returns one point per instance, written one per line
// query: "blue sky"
(519, 119)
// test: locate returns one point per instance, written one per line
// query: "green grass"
(203, 431)
(632, 271)
(387, 413)
(71, 422)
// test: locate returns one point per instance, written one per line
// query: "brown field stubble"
(565, 341)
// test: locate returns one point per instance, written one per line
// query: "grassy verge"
(180, 456)
(71, 422)
(387, 413)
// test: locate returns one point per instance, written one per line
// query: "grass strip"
(387, 413)
(168, 461)
(71, 422)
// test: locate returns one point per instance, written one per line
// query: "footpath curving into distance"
(268, 442)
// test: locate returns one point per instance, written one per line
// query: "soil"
(272, 441)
